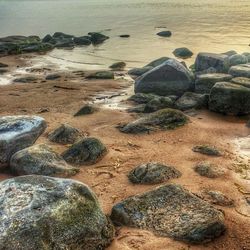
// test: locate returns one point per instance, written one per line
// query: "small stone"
(165, 33)
(125, 36)
(86, 110)
(207, 150)
(118, 66)
(183, 53)
(208, 170)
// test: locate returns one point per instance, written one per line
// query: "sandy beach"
(58, 100)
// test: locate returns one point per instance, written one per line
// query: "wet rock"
(125, 36)
(36, 47)
(205, 82)
(183, 53)
(237, 59)
(118, 66)
(165, 33)
(210, 70)
(157, 62)
(162, 119)
(207, 150)
(26, 79)
(65, 134)
(39, 212)
(97, 38)
(153, 173)
(137, 109)
(53, 77)
(218, 198)
(142, 98)
(40, 160)
(169, 78)
(62, 35)
(171, 211)
(86, 110)
(191, 100)
(242, 70)
(3, 65)
(158, 103)
(243, 81)
(17, 133)
(48, 39)
(139, 71)
(101, 75)
(247, 55)
(65, 43)
(206, 60)
(85, 152)
(208, 170)
(83, 40)
(229, 98)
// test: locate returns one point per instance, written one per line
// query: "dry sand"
(108, 178)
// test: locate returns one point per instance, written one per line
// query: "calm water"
(200, 25)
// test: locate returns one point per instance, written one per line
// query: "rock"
(169, 78)
(62, 35)
(125, 36)
(53, 77)
(48, 39)
(242, 70)
(137, 109)
(237, 59)
(39, 212)
(218, 198)
(86, 110)
(162, 119)
(142, 98)
(210, 70)
(139, 71)
(208, 170)
(165, 33)
(101, 75)
(17, 133)
(40, 160)
(191, 100)
(158, 103)
(171, 211)
(247, 55)
(153, 173)
(230, 53)
(97, 37)
(243, 81)
(118, 66)
(83, 40)
(65, 43)
(36, 47)
(206, 60)
(205, 82)
(183, 53)
(86, 151)
(26, 79)
(229, 98)
(65, 134)
(157, 62)
(3, 65)
(207, 150)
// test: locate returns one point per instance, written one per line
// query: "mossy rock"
(162, 119)
(142, 98)
(208, 170)
(207, 150)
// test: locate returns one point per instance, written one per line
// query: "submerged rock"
(85, 152)
(183, 53)
(86, 110)
(39, 212)
(219, 62)
(40, 160)
(17, 133)
(207, 150)
(230, 98)
(118, 66)
(205, 82)
(65, 134)
(165, 33)
(171, 211)
(101, 75)
(169, 78)
(162, 119)
(242, 70)
(153, 173)
(208, 170)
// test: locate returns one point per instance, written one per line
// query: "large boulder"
(230, 98)
(242, 70)
(86, 151)
(169, 78)
(162, 119)
(171, 211)
(40, 160)
(207, 60)
(39, 212)
(17, 133)
(205, 82)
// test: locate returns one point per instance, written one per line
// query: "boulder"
(48, 39)
(17, 133)
(153, 173)
(40, 160)
(230, 98)
(39, 212)
(207, 150)
(83, 40)
(242, 70)
(247, 55)
(208, 170)
(230, 53)
(206, 60)
(162, 119)
(86, 110)
(97, 37)
(169, 78)
(101, 75)
(183, 53)
(139, 71)
(118, 66)
(191, 100)
(205, 82)
(62, 35)
(237, 59)
(157, 62)
(85, 152)
(158, 103)
(243, 81)
(171, 211)
(165, 33)
(65, 134)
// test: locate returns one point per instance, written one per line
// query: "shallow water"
(205, 25)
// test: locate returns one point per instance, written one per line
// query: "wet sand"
(108, 178)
